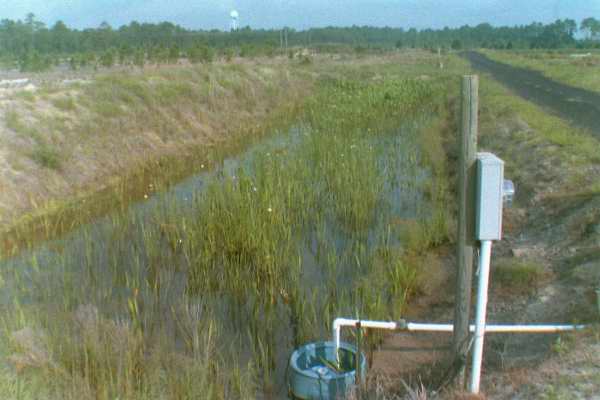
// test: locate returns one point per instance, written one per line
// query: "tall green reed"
(209, 294)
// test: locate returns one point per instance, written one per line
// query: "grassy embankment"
(580, 72)
(101, 141)
(554, 166)
(554, 140)
(548, 159)
(203, 300)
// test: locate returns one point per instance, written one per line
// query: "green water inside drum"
(318, 371)
(345, 361)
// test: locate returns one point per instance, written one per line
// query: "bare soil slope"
(63, 138)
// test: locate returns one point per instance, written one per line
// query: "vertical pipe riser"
(482, 299)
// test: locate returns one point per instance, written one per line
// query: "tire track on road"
(579, 106)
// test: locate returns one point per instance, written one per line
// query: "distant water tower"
(234, 20)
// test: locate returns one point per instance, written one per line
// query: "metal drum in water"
(315, 373)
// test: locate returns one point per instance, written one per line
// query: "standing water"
(215, 281)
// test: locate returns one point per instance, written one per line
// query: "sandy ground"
(93, 150)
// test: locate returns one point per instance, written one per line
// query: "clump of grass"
(564, 343)
(517, 276)
(47, 156)
(304, 60)
(26, 95)
(13, 121)
(16, 123)
(107, 109)
(429, 231)
(401, 276)
(64, 103)
(246, 227)
(416, 237)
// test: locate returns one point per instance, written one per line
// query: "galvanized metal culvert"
(315, 373)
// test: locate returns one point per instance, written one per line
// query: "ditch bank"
(72, 149)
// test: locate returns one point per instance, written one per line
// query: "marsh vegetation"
(203, 290)
(193, 205)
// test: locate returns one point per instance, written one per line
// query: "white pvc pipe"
(449, 328)
(480, 313)
(419, 327)
(339, 322)
(530, 328)
(480, 328)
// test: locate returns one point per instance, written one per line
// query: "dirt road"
(579, 106)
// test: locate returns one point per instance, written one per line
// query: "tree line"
(32, 45)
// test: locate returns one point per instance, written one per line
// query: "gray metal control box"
(490, 182)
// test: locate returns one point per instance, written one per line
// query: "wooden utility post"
(466, 218)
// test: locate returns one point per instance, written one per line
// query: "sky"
(301, 14)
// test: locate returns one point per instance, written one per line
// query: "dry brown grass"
(72, 138)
